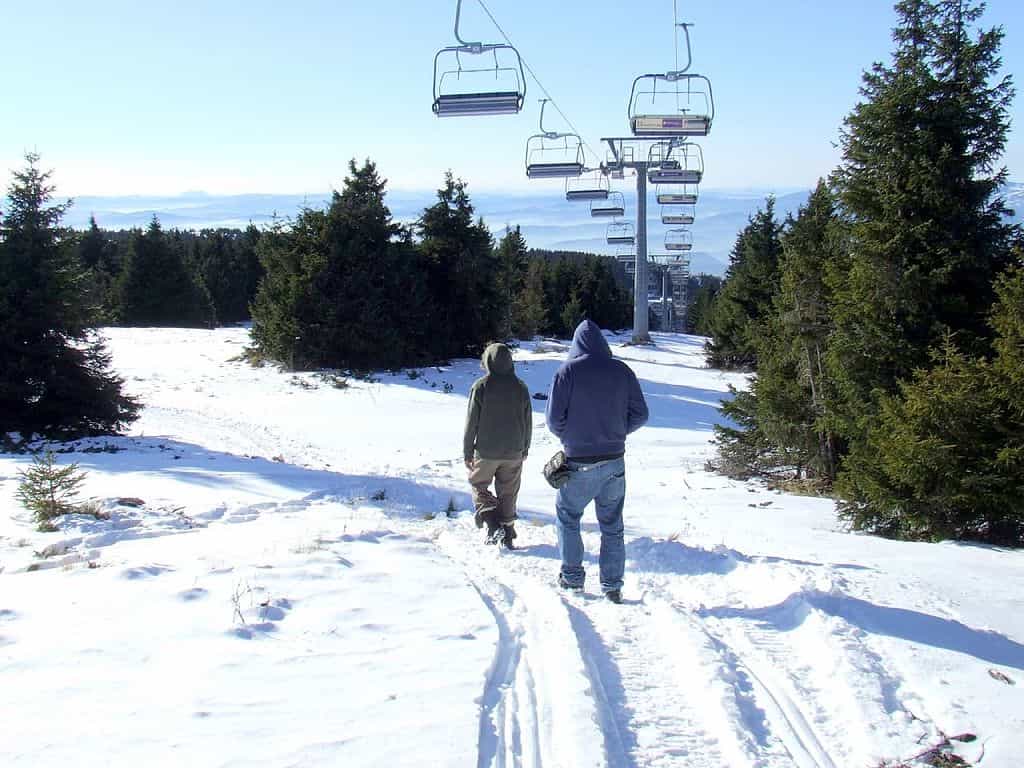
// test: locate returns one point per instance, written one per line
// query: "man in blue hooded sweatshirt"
(595, 402)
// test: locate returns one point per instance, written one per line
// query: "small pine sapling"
(48, 489)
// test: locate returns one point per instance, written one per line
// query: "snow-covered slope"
(291, 592)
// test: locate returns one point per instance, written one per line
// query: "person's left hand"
(469, 465)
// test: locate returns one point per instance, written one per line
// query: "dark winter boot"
(509, 535)
(495, 533)
(485, 516)
(615, 595)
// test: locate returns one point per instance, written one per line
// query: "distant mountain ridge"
(547, 219)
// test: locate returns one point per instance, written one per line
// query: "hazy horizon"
(546, 218)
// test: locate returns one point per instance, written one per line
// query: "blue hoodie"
(595, 400)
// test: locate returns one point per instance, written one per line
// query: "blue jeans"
(604, 483)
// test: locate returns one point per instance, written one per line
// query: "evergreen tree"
(572, 313)
(746, 294)
(48, 490)
(513, 262)
(918, 182)
(157, 286)
(792, 383)
(341, 286)
(529, 314)
(226, 261)
(92, 246)
(947, 455)
(743, 449)
(281, 251)
(702, 292)
(96, 255)
(464, 274)
(55, 379)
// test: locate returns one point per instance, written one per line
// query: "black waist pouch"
(556, 471)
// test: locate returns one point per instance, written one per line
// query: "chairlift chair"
(620, 233)
(681, 194)
(678, 215)
(678, 240)
(468, 90)
(683, 163)
(683, 166)
(553, 155)
(688, 109)
(615, 205)
(592, 187)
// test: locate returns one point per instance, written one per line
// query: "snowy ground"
(292, 593)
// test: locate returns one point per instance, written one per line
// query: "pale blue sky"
(258, 96)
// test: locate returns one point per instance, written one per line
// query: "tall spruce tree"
(283, 251)
(96, 255)
(745, 297)
(513, 262)
(918, 181)
(529, 314)
(464, 273)
(340, 286)
(158, 286)
(794, 386)
(55, 379)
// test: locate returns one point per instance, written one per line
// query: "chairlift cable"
(540, 85)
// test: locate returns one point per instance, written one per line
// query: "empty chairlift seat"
(591, 187)
(467, 88)
(678, 240)
(621, 233)
(671, 104)
(463, 104)
(680, 219)
(677, 197)
(674, 176)
(553, 155)
(614, 206)
(676, 161)
(558, 160)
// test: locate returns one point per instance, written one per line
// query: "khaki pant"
(507, 474)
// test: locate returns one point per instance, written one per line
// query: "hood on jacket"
(497, 359)
(588, 340)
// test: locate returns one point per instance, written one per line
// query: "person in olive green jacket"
(496, 440)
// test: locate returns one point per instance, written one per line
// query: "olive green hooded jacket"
(499, 419)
